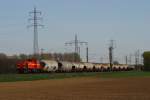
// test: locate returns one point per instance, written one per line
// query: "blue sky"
(94, 21)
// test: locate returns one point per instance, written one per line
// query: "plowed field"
(89, 88)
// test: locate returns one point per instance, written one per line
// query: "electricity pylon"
(76, 44)
(35, 24)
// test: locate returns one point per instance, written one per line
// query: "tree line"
(71, 57)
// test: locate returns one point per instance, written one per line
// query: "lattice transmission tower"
(76, 44)
(35, 24)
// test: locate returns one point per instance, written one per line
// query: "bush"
(7, 65)
(146, 56)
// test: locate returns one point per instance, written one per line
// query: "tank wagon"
(33, 65)
(49, 65)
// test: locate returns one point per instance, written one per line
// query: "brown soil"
(78, 89)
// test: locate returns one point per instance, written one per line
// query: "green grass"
(124, 74)
(30, 77)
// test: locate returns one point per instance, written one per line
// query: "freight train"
(35, 66)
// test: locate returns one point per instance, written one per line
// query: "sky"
(127, 22)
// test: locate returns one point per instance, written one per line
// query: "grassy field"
(30, 77)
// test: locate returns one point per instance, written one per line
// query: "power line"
(35, 24)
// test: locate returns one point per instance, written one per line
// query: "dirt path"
(78, 89)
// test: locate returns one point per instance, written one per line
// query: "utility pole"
(76, 44)
(130, 59)
(79, 50)
(137, 58)
(87, 54)
(126, 59)
(111, 47)
(42, 52)
(35, 24)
